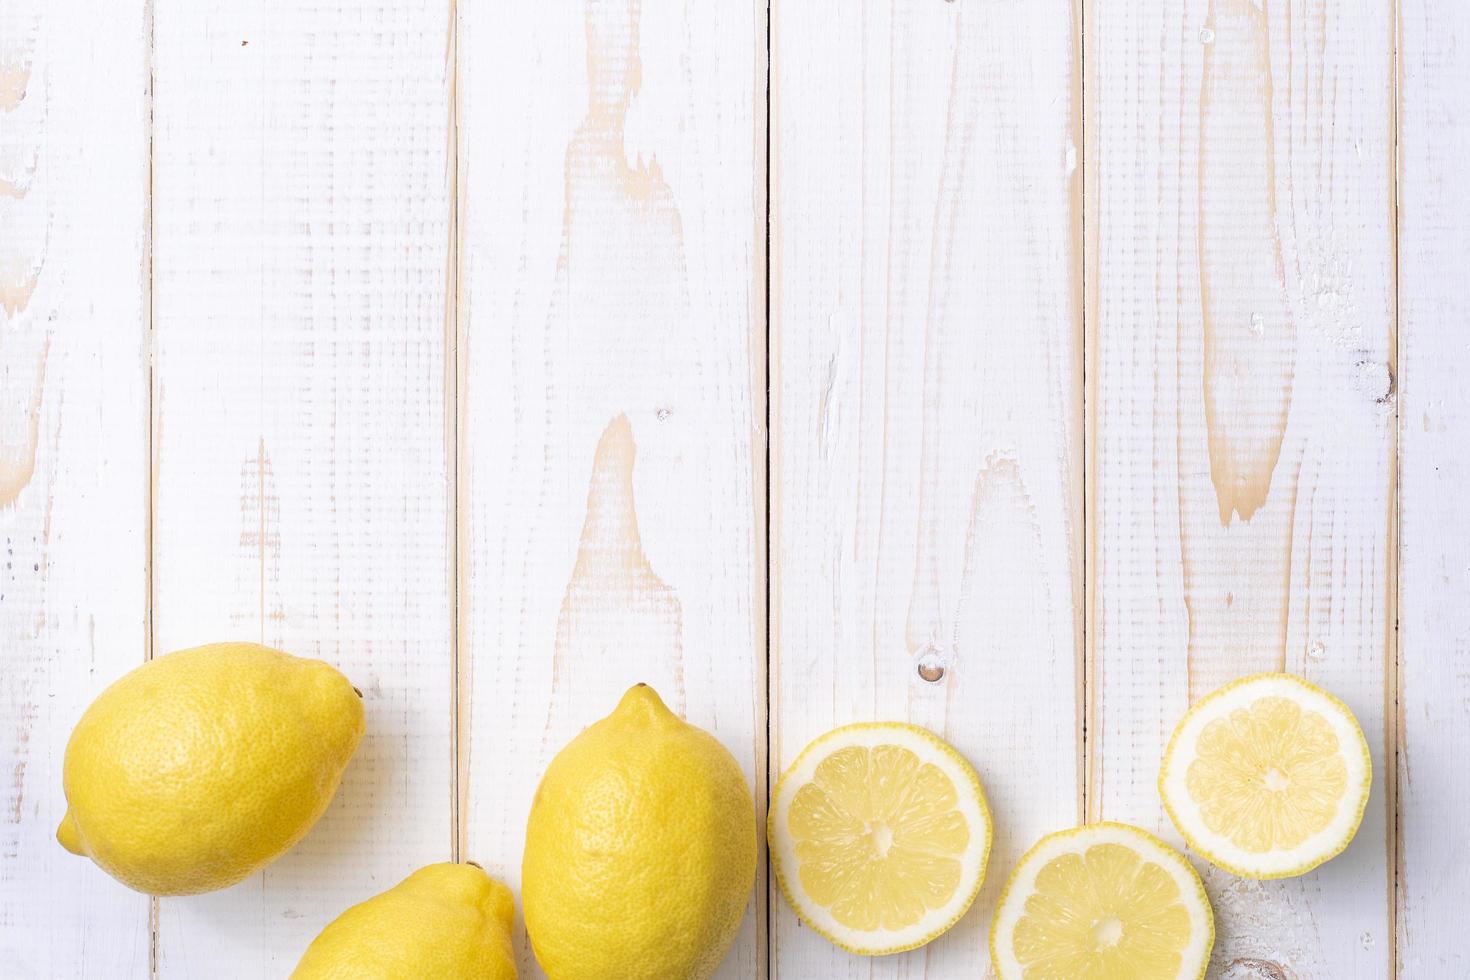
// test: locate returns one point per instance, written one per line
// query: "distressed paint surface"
(301, 209)
(73, 453)
(610, 338)
(458, 375)
(926, 422)
(1241, 347)
(1434, 533)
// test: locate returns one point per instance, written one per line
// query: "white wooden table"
(1093, 351)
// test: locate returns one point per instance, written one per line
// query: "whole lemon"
(640, 850)
(448, 921)
(199, 768)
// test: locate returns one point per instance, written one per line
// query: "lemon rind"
(961, 763)
(1209, 853)
(1170, 852)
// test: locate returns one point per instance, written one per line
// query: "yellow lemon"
(1105, 902)
(199, 768)
(879, 834)
(640, 850)
(1267, 777)
(447, 921)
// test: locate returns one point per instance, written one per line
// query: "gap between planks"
(1084, 656)
(454, 367)
(1393, 718)
(764, 887)
(150, 349)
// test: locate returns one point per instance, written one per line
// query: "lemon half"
(1267, 777)
(1105, 902)
(879, 834)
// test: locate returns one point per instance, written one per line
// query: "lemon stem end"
(643, 703)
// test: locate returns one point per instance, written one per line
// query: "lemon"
(1102, 902)
(640, 850)
(879, 834)
(200, 767)
(448, 921)
(1267, 777)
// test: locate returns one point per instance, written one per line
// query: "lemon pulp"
(1268, 776)
(1105, 901)
(879, 837)
(1104, 914)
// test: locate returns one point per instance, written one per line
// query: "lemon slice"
(1267, 777)
(1102, 902)
(879, 834)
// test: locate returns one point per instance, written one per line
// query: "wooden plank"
(302, 244)
(927, 431)
(1434, 542)
(73, 452)
(612, 358)
(1241, 398)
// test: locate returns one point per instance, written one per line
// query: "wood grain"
(458, 351)
(301, 210)
(926, 378)
(1241, 401)
(612, 360)
(73, 460)
(1434, 536)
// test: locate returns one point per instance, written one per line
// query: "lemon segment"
(1267, 777)
(880, 835)
(1102, 902)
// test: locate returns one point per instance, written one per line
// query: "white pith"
(1221, 850)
